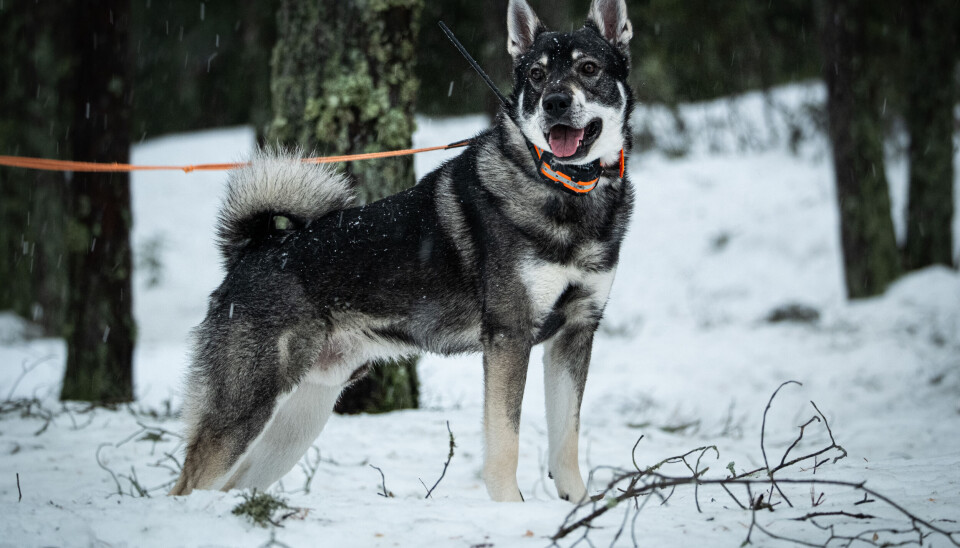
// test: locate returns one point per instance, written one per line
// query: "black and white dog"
(513, 243)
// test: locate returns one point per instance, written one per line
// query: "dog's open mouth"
(566, 141)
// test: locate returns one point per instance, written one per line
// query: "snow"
(720, 237)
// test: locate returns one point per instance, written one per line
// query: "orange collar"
(579, 179)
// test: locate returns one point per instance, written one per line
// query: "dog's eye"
(588, 68)
(536, 74)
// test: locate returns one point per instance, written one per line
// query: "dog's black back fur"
(395, 260)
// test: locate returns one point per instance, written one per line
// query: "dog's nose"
(557, 104)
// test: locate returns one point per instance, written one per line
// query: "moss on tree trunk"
(849, 33)
(343, 82)
(99, 324)
(931, 95)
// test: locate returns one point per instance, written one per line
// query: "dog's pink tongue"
(564, 140)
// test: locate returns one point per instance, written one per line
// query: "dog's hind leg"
(207, 460)
(252, 408)
(224, 458)
(566, 359)
(296, 422)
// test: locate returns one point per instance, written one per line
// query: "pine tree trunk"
(35, 62)
(848, 33)
(492, 54)
(258, 37)
(931, 95)
(343, 82)
(100, 328)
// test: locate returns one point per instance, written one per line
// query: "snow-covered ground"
(720, 238)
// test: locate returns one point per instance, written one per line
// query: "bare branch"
(647, 483)
(26, 367)
(383, 483)
(763, 430)
(800, 437)
(445, 465)
(109, 471)
(830, 433)
(838, 513)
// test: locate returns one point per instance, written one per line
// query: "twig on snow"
(383, 483)
(445, 465)
(26, 367)
(763, 430)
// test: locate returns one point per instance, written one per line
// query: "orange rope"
(46, 164)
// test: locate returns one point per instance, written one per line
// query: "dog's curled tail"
(277, 192)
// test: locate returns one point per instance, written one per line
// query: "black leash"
(476, 66)
(575, 179)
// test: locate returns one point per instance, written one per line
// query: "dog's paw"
(572, 490)
(503, 489)
(509, 496)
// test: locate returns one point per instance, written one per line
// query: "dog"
(511, 244)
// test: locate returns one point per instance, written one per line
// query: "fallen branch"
(647, 482)
(136, 489)
(840, 513)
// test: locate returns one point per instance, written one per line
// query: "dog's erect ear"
(610, 16)
(522, 27)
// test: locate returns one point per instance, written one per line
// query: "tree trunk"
(34, 123)
(931, 95)
(258, 38)
(492, 55)
(849, 34)
(343, 82)
(100, 329)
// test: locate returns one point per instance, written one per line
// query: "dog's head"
(570, 88)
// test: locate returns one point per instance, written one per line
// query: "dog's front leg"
(505, 361)
(566, 359)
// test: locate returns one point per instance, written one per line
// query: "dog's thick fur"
(481, 255)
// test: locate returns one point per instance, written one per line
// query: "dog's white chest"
(546, 281)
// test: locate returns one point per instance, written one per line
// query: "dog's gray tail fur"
(277, 191)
